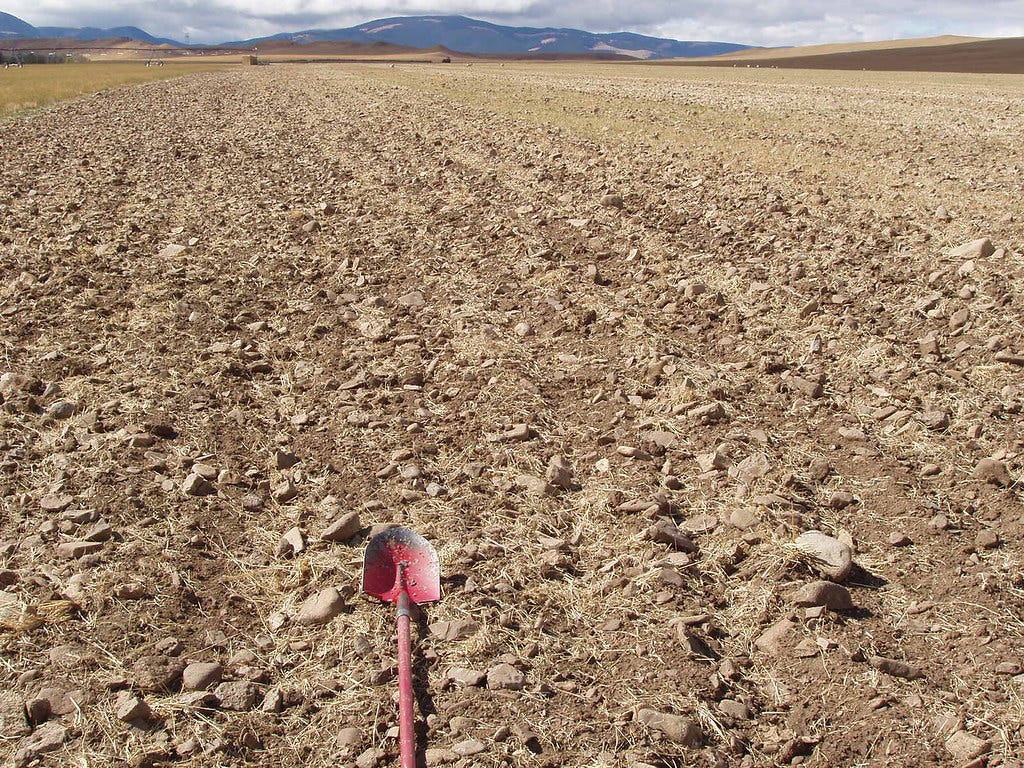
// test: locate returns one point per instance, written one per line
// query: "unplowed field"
(611, 338)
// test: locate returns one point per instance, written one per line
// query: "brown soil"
(1002, 56)
(725, 299)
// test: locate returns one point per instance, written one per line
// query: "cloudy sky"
(756, 22)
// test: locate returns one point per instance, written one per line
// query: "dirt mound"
(705, 388)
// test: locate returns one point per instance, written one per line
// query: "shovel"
(400, 566)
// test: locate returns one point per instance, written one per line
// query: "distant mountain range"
(12, 27)
(466, 35)
(457, 33)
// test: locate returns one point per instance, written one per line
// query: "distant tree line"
(17, 58)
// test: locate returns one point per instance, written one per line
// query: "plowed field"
(614, 339)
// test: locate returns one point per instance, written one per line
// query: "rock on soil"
(239, 696)
(835, 597)
(676, 728)
(964, 746)
(467, 677)
(47, 738)
(505, 677)
(826, 554)
(896, 668)
(452, 631)
(133, 709)
(158, 673)
(343, 528)
(12, 716)
(321, 607)
(981, 248)
(200, 675)
(993, 472)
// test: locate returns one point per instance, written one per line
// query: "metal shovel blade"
(394, 550)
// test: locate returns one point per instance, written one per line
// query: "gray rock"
(827, 555)
(534, 486)
(237, 696)
(770, 641)
(667, 532)
(976, 249)
(753, 467)
(712, 413)
(343, 528)
(349, 737)
(158, 673)
(716, 460)
(55, 503)
(171, 251)
(559, 472)
(252, 503)
(451, 631)
(413, 299)
(899, 539)
(468, 747)
(48, 737)
(200, 675)
(437, 756)
(58, 701)
(74, 550)
(371, 758)
(467, 677)
(734, 709)
(1005, 356)
(285, 459)
(934, 420)
(37, 710)
(841, 500)
(505, 677)
(675, 728)
(62, 409)
(100, 532)
(819, 469)
(196, 485)
(13, 723)
(273, 701)
(285, 491)
(833, 596)
(291, 544)
(895, 668)
(132, 709)
(986, 539)
(744, 518)
(321, 607)
(965, 746)
(518, 433)
(993, 472)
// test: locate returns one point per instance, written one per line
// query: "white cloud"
(760, 22)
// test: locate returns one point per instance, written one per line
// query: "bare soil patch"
(614, 339)
(999, 56)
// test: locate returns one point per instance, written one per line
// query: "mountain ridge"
(458, 33)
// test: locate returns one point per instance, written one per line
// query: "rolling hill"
(466, 35)
(941, 54)
(457, 33)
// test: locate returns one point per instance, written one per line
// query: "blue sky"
(759, 22)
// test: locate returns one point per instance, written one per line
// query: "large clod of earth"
(613, 338)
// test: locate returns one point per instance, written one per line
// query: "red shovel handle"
(406, 731)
